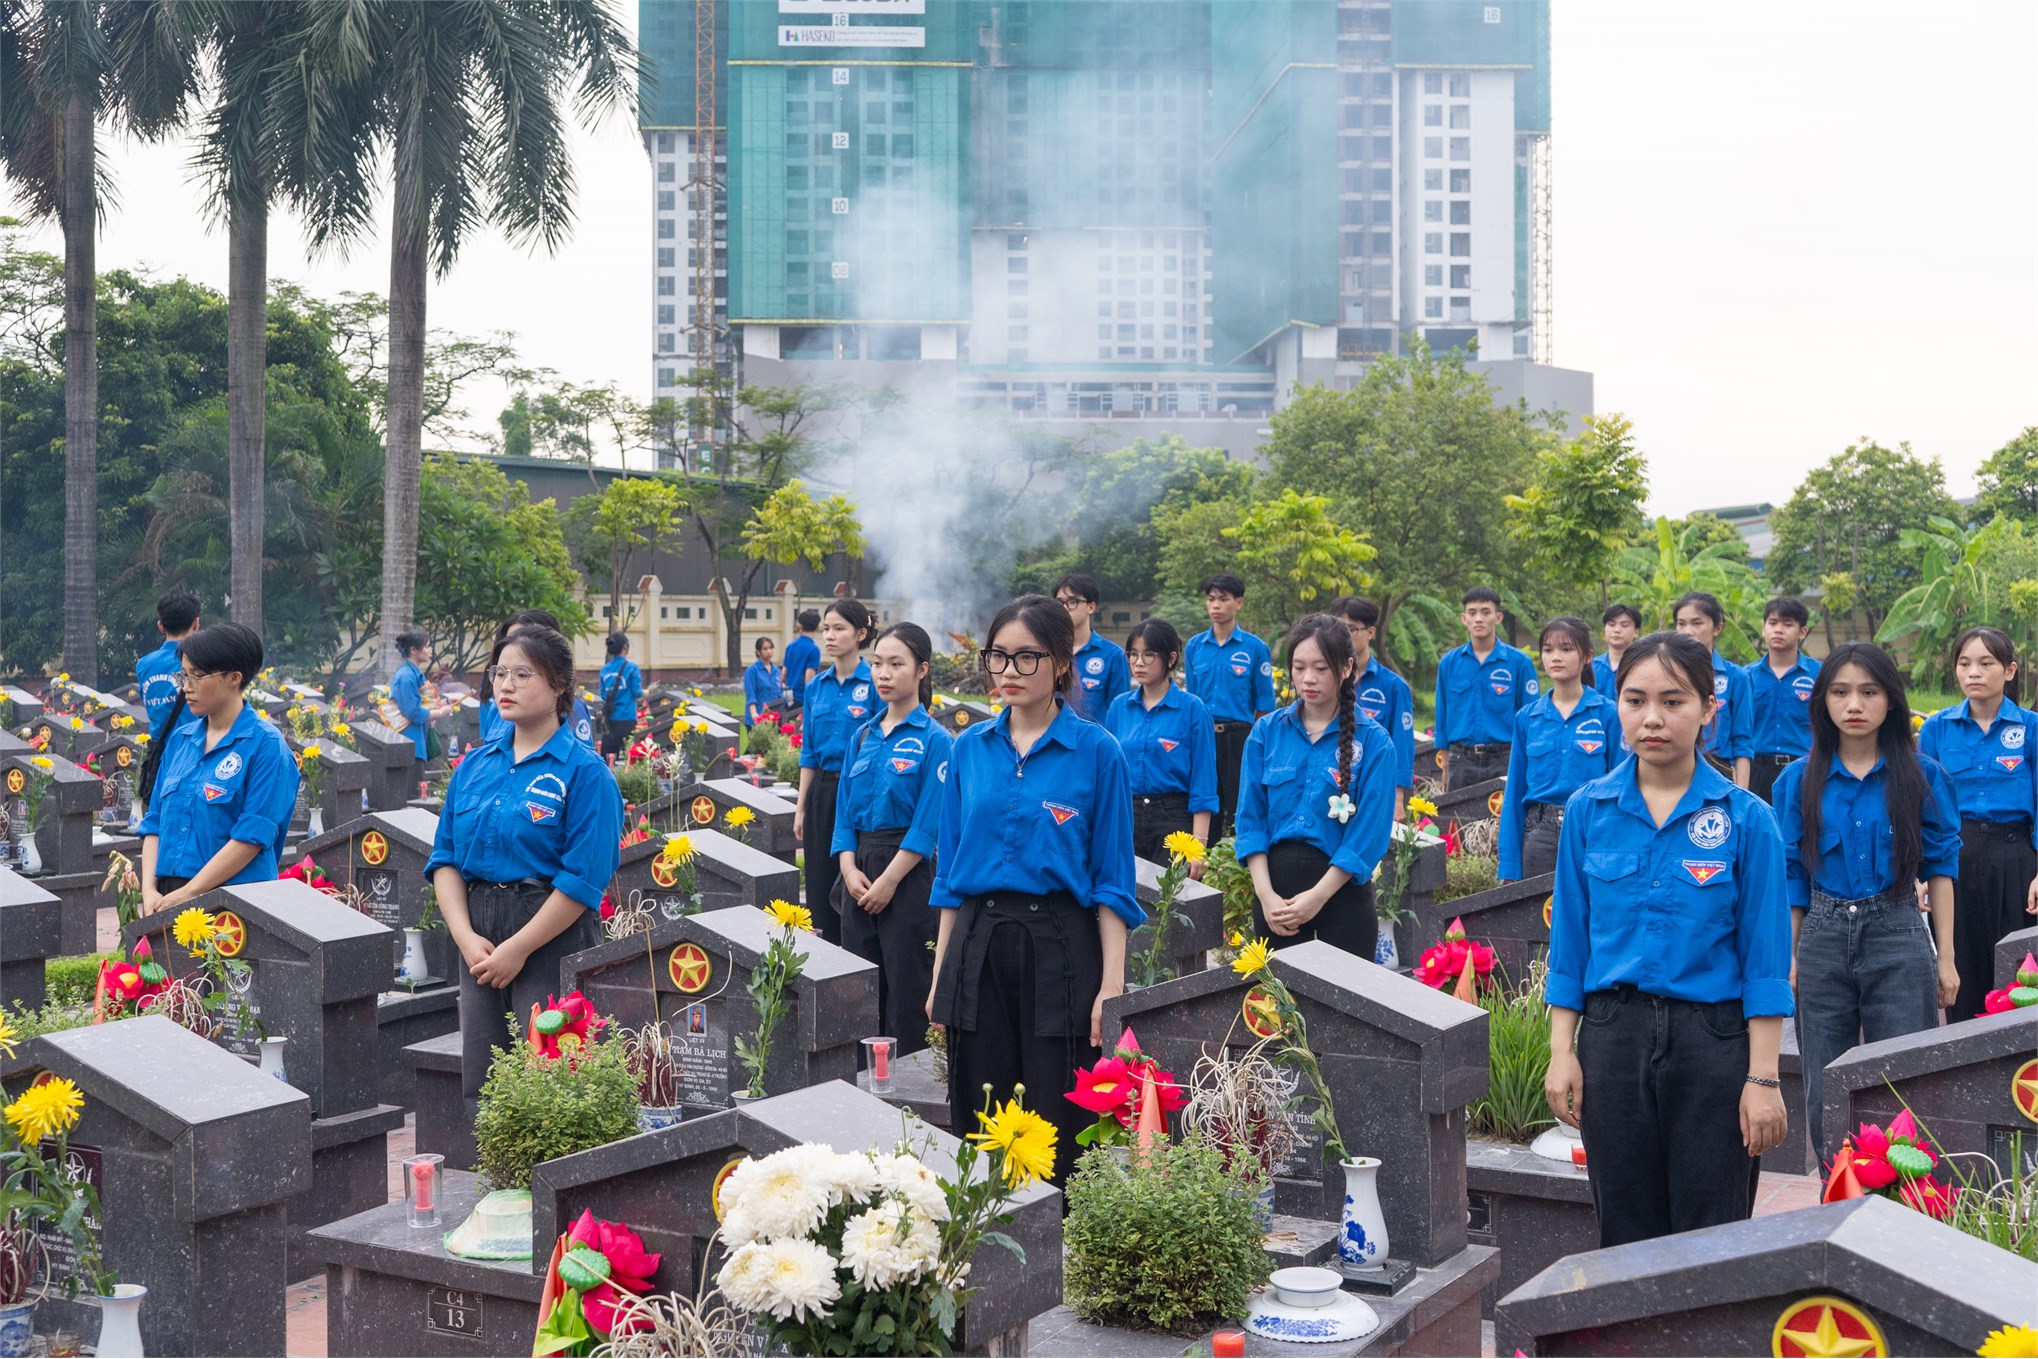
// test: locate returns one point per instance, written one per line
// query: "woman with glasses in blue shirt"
(1033, 880)
(527, 844)
(579, 720)
(1169, 742)
(1985, 743)
(1669, 965)
(1564, 739)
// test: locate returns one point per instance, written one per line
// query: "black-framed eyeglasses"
(1070, 601)
(1019, 662)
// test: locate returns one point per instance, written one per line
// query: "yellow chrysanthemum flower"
(1252, 958)
(141, 738)
(701, 727)
(1184, 846)
(310, 753)
(678, 849)
(678, 731)
(791, 916)
(194, 928)
(64, 678)
(1422, 806)
(9, 1035)
(77, 724)
(1237, 938)
(2010, 1342)
(1026, 1139)
(45, 1110)
(739, 816)
(42, 762)
(342, 729)
(696, 693)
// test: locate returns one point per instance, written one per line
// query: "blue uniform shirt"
(834, 709)
(405, 691)
(1854, 833)
(493, 724)
(1234, 678)
(155, 676)
(622, 693)
(244, 788)
(1102, 674)
(1731, 733)
(1386, 698)
(1477, 700)
(762, 687)
(554, 815)
(1552, 757)
(1169, 748)
(894, 782)
(1995, 776)
(1693, 911)
(1286, 781)
(1780, 710)
(1060, 820)
(801, 655)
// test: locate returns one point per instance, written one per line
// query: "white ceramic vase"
(413, 967)
(1362, 1231)
(31, 857)
(120, 1322)
(1385, 951)
(17, 1330)
(317, 824)
(272, 1058)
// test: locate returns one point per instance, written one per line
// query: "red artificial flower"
(608, 906)
(1997, 1002)
(1879, 1153)
(1106, 1088)
(1452, 843)
(1442, 962)
(1928, 1196)
(630, 1269)
(580, 1027)
(122, 979)
(1165, 1089)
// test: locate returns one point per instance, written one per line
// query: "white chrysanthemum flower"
(788, 1279)
(851, 1178)
(889, 1243)
(783, 1194)
(907, 1177)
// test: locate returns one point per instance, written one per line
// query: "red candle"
(1578, 1155)
(424, 1186)
(1227, 1343)
(881, 1061)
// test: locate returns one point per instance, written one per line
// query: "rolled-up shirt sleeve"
(1570, 912)
(594, 839)
(925, 828)
(1763, 930)
(271, 794)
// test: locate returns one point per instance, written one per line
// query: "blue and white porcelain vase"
(17, 1329)
(1362, 1230)
(1385, 951)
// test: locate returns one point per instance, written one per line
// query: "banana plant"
(1955, 589)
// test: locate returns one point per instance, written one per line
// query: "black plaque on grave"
(384, 854)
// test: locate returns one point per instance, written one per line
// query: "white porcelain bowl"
(1306, 1286)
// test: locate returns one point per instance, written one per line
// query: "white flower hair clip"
(1341, 807)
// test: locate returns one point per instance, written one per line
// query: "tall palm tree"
(470, 96)
(62, 64)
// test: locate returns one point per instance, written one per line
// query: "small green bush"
(1162, 1243)
(763, 739)
(1513, 1108)
(638, 782)
(1468, 875)
(71, 981)
(53, 1017)
(534, 1109)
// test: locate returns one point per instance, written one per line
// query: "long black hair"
(914, 638)
(1903, 788)
(214, 650)
(1051, 625)
(1334, 640)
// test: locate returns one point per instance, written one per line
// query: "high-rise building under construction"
(1150, 211)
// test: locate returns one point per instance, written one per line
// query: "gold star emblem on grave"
(664, 871)
(16, 780)
(722, 1178)
(702, 809)
(689, 968)
(1494, 801)
(1549, 902)
(1826, 1327)
(230, 934)
(123, 756)
(961, 718)
(374, 847)
(1260, 1013)
(2024, 1089)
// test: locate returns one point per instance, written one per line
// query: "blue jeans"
(1865, 972)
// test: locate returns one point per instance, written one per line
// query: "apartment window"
(665, 230)
(1015, 333)
(1352, 212)
(1016, 356)
(1016, 264)
(666, 173)
(1461, 85)
(1461, 276)
(1146, 352)
(1104, 308)
(665, 142)
(1433, 211)
(1015, 242)
(668, 377)
(1104, 351)
(1461, 181)
(665, 288)
(902, 144)
(1461, 213)
(1383, 148)
(1432, 276)
(1433, 243)
(1383, 84)
(1015, 287)
(1104, 333)
(1432, 115)
(665, 200)
(1383, 245)
(1016, 310)
(1432, 82)
(665, 314)
(666, 255)
(1355, 281)
(1433, 308)
(1461, 309)
(665, 343)
(1521, 346)
(1383, 211)
(1461, 148)
(1461, 115)
(1383, 180)
(1461, 242)
(1433, 181)
(1383, 115)
(1128, 332)
(1432, 148)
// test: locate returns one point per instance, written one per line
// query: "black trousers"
(1348, 920)
(899, 939)
(1662, 1124)
(1997, 864)
(822, 871)
(615, 736)
(1230, 756)
(1762, 774)
(1469, 766)
(1542, 826)
(1156, 816)
(494, 1017)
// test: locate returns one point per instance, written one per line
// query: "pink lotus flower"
(1928, 1196)
(630, 1269)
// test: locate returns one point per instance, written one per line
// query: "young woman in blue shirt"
(225, 782)
(763, 685)
(887, 814)
(413, 696)
(1170, 745)
(1669, 965)
(1562, 741)
(622, 685)
(527, 845)
(1033, 880)
(1988, 746)
(1865, 820)
(1316, 801)
(1730, 735)
(579, 720)
(838, 701)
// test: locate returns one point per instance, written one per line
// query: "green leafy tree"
(1653, 576)
(1850, 515)
(1290, 552)
(1955, 590)
(629, 516)
(2008, 482)
(792, 526)
(1836, 595)
(1583, 505)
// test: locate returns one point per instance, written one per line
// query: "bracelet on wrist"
(1767, 1082)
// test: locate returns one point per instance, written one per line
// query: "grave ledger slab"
(30, 929)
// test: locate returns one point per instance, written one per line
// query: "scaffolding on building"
(1541, 277)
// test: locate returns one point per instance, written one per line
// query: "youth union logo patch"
(860, 691)
(1500, 680)
(900, 766)
(231, 765)
(1709, 828)
(1240, 663)
(1062, 815)
(1095, 665)
(1719, 686)
(1372, 702)
(2010, 763)
(1703, 871)
(1166, 744)
(2013, 737)
(540, 813)
(1801, 686)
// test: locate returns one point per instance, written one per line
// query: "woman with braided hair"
(1316, 800)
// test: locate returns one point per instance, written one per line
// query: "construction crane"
(704, 191)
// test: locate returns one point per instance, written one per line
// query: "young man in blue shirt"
(802, 658)
(1102, 673)
(1779, 694)
(1232, 671)
(1619, 625)
(1480, 687)
(1729, 737)
(156, 673)
(1381, 694)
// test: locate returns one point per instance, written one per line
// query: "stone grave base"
(349, 1175)
(914, 1087)
(78, 915)
(445, 1116)
(392, 1289)
(405, 1017)
(1437, 1314)
(1793, 1156)
(1534, 1210)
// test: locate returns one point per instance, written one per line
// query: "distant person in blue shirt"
(1480, 687)
(1232, 671)
(1730, 736)
(1988, 746)
(763, 686)
(1316, 801)
(580, 721)
(1101, 671)
(225, 784)
(527, 845)
(1170, 749)
(1619, 624)
(887, 816)
(1033, 879)
(802, 657)
(413, 696)
(622, 688)
(155, 674)
(1864, 820)
(1381, 694)
(1670, 938)
(1780, 693)
(838, 702)
(1562, 741)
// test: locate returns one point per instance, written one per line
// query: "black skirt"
(822, 870)
(1347, 920)
(1997, 864)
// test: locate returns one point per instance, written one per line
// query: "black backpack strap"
(145, 782)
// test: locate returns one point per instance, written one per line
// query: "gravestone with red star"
(383, 855)
(726, 872)
(707, 806)
(1973, 1086)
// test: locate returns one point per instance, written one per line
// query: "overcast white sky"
(1780, 225)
